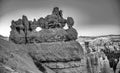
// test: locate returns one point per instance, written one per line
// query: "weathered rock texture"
(15, 59)
(47, 35)
(23, 30)
(58, 56)
(50, 50)
(37, 58)
(54, 49)
(65, 51)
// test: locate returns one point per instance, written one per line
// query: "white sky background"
(92, 17)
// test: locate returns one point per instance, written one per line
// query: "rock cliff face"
(38, 58)
(60, 57)
(50, 50)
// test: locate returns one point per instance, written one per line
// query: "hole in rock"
(65, 27)
(38, 29)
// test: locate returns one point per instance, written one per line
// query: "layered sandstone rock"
(59, 57)
(53, 49)
(44, 57)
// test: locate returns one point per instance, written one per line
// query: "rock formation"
(53, 49)
(17, 34)
(23, 30)
(109, 46)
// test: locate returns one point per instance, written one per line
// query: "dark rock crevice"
(64, 61)
(40, 67)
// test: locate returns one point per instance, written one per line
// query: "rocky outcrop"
(23, 30)
(53, 49)
(60, 57)
(54, 52)
(38, 58)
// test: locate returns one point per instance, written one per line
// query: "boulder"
(70, 22)
(71, 34)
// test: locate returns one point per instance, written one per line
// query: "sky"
(92, 17)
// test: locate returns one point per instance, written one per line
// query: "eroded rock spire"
(23, 30)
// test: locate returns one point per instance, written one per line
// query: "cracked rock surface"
(40, 58)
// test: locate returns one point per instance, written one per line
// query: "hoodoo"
(53, 49)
